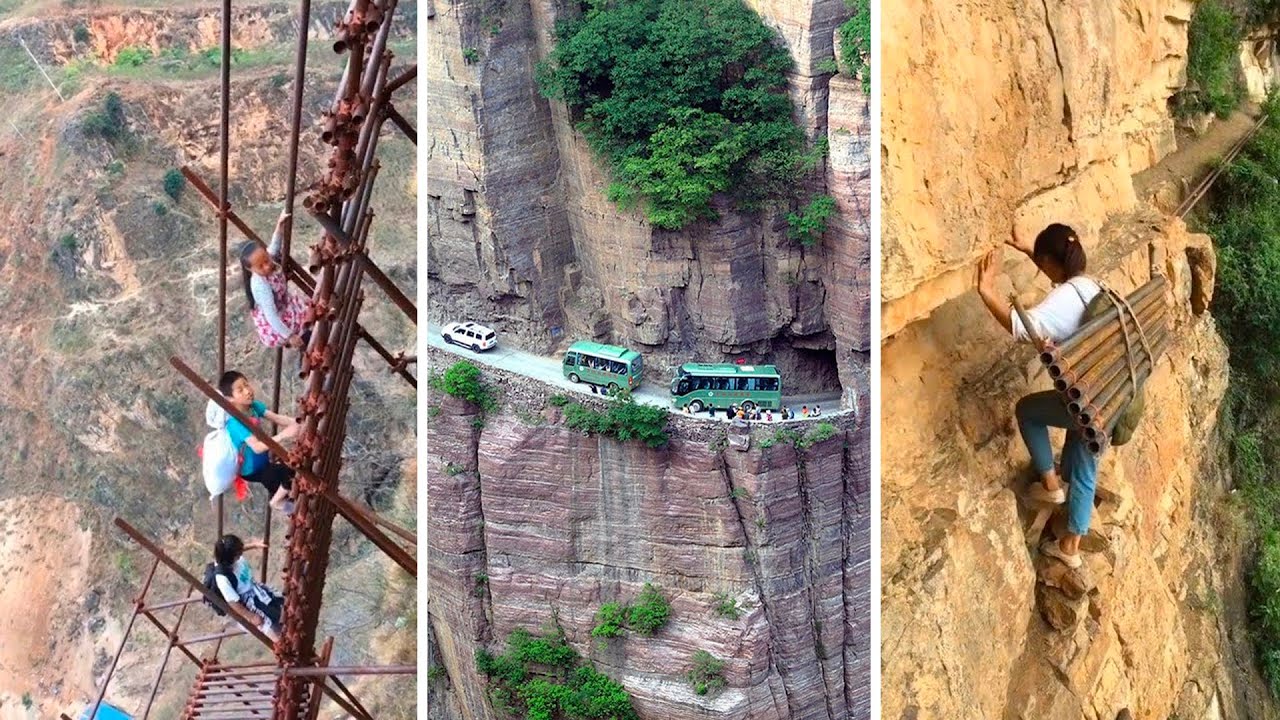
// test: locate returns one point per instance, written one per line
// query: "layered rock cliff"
(521, 233)
(522, 236)
(1033, 114)
(532, 525)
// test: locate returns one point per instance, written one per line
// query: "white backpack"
(220, 459)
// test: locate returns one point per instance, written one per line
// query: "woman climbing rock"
(281, 317)
(1058, 253)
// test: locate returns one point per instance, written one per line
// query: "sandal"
(1038, 492)
(1050, 548)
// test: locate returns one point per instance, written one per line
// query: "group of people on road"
(756, 414)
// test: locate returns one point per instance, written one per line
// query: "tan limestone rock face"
(968, 630)
(1258, 61)
(1068, 100)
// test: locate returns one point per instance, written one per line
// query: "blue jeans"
(1038, 412)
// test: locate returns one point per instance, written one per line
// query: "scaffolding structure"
(290, 682)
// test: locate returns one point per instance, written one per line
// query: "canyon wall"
(1030, 114)
(531, 524)
(521, 235)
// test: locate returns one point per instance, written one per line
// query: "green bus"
(599, 364)
(703, 385)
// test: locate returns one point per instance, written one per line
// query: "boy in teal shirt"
(256, 465)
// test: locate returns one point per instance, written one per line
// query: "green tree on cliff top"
(684, 99)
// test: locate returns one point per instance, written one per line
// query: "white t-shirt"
(244, 579)
(1060, 313)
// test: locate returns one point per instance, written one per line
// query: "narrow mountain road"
(653, 391)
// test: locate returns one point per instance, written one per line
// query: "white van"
(470, 335)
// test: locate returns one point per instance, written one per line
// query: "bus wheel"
(613, 388)
(749, 406)
(573, 378)
(695, 406)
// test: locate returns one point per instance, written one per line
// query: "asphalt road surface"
(653, 391)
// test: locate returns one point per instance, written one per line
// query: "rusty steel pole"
(224, 160)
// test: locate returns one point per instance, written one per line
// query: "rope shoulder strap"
(1122, 307)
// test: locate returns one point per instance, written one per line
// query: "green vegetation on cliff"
(541, 678)
(1214, 74)
(684, 99)
(624, 420)
(855, 41)
(464, 381)
(1245, 225)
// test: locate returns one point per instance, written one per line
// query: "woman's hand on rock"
(1016, 242)
(987, 271)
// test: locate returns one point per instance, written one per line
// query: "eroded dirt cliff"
(104, 276)
(1030, 115)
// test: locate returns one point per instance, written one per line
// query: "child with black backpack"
(231, 577)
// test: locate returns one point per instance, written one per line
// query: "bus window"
(769, 384)
(617, 368)
(682, 387)
(571, 358)
(741, 383)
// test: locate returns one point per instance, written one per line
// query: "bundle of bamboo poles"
(1095, 370)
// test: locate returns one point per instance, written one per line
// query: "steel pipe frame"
(267, 672)
(198, 586)
(348, 509)
(399, 121)
(400, 80)
(1095, 394)
(343, 334)
(1085, 330)
(138, 604)
(303, 600)
(345, 507)
(173, 604)
(1097, 406)
(224, 136)
(1203, 187)
(1086, 353)
(294, 271)
(1154, 315)
(167, 633)
(168, 650)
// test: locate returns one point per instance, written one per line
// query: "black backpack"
(211, 584)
